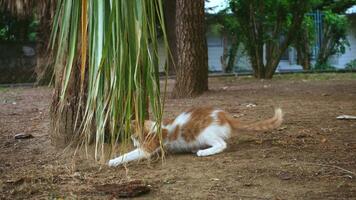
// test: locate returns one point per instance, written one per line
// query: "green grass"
(3, 89)
(298, 76)
(316, 76)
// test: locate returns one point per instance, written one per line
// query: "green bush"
(14, 29)
(323, 66)
(351, 65)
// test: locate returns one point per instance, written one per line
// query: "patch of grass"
(316, 76)
(3, 89)
(297, 76)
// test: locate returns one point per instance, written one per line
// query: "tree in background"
(335, 25)
(225, 24)
(269, 27)
(334, 39)
(17, 29)
(43, 10)
(305, 39)
(192, 70)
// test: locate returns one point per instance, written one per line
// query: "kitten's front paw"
(113, 163)
(201, 153)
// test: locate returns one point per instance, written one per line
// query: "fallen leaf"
(23, 136)
(129, 189)
(346, 117)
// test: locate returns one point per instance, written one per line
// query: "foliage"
(305, 39)
(17, 29)
(269, 25)
(334, 36)
(351, 65)
(338, 24)
(338, 7)
(20, 18)
(323, 66)
(309, 26)
(224, 23)
(117, 46)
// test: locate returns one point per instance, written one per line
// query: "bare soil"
(312, 156)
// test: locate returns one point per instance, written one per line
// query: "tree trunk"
(228, 58)
(325, 47)
(305, 49)
(225, 55)
(192, 73)
(303, 55)
(256, 59)
(232, 54)
(64, 128)
(170, 23)
(255, 42)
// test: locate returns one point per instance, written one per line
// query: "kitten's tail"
(263, 125)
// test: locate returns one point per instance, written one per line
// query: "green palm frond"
(115, 44)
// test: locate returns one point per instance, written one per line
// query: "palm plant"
(114, 46)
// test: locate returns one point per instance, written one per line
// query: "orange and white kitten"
(201, 130)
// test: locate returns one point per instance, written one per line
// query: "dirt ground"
(311, 156)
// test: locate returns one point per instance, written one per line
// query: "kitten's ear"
(133, 123)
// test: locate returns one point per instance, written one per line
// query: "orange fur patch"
(200, 119)
(222, 118)
(174, 136)
(165, 122)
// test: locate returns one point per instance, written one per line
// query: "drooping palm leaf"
(116, 42)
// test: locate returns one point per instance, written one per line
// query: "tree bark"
(303, 54)
(64, 127)
(232, 54)
(225, 55)
(326, 46)
(192, 72)
(170, 23)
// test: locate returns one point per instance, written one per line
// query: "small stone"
(284, 176)
(248, 184)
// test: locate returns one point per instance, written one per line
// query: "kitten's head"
(147, 129)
